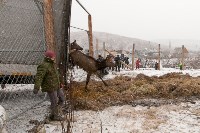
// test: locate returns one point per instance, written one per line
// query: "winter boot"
(56, 115)
(58, 118)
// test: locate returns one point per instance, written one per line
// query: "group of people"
(121, 62)
(138, 64)
(118, 60)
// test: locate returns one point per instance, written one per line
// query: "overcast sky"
(143, 19)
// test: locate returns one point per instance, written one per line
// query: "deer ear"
(74, 40)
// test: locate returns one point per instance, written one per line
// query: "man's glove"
(35, 91)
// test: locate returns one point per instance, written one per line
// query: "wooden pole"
(133, 52)
(104, 48)
(158, 56)
(97, 48)
(49, 25)
(120, 60)
(182, 60)
(91, 51)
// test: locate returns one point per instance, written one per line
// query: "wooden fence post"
(49, 25)
(104, 48)
(91, 51)
(158, 56)
(133, 53)
(182, 60)
(97, 48)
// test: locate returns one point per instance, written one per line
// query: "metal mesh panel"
(58, 20)
(22, 37)
(22, 45)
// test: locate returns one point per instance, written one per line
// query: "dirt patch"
(125, 90)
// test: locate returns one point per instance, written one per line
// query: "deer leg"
(102, 79)
(87, 80)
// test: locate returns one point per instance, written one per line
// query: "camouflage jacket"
(47, 76)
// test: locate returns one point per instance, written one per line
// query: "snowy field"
(170, 118)
(181, 117)
(79, 75)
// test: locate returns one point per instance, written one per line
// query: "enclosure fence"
(22, 44)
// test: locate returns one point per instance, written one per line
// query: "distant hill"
(191, 45)
(113, 42)
(118, 42)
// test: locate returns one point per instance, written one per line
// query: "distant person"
(145, 64)
(100, 58)
(156, 65)
(181, 66)
(127, 61)
(117, 63)
(122, 58)
(113, 60)
(137, 63)
(47, 77)
(103, 71)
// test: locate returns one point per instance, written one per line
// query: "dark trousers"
(122, 65)
(137, 66)
(56, 98)
(117, 68)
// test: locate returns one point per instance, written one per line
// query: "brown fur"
(88, 63)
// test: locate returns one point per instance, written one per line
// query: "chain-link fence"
(22, 45)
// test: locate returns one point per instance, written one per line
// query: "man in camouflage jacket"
(47, 77)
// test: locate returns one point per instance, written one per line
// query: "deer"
(88, 63)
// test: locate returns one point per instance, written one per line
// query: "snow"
(127, 119)
(80, 75)
(2, 118)
(173, 118)
(168, 118)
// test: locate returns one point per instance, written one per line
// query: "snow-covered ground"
(2, 119)
(170, 118)
(79, 75)
(180, 118)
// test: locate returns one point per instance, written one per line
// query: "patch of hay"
(124, 90)
(145, 89)
(152, 120)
